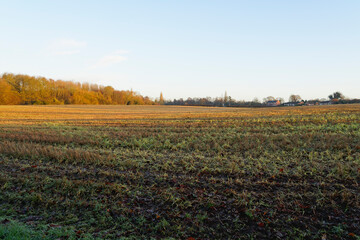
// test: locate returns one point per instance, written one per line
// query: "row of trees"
(227, 101)
(335, 96)
(296, 98)
(24, 89)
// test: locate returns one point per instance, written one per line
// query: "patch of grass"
(13, 230)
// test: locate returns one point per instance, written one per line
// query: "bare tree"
(280, 99)
(269, 98)
(294, 98)
(336, 95)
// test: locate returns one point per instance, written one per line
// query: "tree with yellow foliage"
(24, 89)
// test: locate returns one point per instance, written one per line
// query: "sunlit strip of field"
(73, 113)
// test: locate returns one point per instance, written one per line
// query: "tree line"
(25, 89)
(228, 101)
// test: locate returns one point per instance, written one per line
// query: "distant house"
(273, 103)
(312, 103)
(290, 103)
(294, 103)
(325, 103)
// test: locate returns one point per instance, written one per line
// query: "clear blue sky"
(188, 48)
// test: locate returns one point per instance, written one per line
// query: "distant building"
(294, 103)
(312, 103)
(273, 103)
(325, 103)
(290, 103)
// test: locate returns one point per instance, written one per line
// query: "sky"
(188, 48)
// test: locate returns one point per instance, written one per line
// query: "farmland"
(181, 172)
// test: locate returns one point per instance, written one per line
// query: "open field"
(181, 172)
